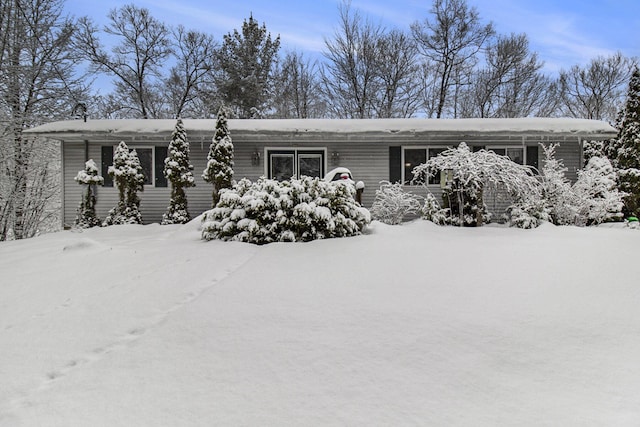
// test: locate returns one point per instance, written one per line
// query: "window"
(151, 160)
(413, 157)
(516, 154)
(285, 164)
(146, 161)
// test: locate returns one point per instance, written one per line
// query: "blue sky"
(563, 32)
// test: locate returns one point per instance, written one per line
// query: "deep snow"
(407, 325)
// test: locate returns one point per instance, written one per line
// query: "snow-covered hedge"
(297, 210)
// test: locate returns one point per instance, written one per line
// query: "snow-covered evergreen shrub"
(219, 170)
(127, 175)
(431, 211)
(179, 171)
(597, 193)
(90, 177)
(528, 213)
(297, 210)
(392, 204)
(464, 204)
(627, 146)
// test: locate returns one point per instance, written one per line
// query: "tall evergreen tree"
(126, 172)
(178, 170)
(219, 170)
(90, 177)
(628, 147)
(247, 60)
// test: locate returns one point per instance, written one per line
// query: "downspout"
(581, 145)
(62, 192)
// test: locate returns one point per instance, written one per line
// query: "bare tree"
(297, 93)
(37, 84)
(350, 75)
(398, 72)
(450, 41)
(597, 90)
(511, 84)
(135, 61)
(195, 53)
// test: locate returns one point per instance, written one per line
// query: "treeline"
(451, 63)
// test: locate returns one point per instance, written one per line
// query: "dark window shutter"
(532, 156)
(395, 164)
(161, 154)
(477, 148)
(106, 161)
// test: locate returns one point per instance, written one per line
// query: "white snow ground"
(407, 325)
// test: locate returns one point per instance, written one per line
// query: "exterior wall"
(366, 155)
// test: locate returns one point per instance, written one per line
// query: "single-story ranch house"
(374, 150)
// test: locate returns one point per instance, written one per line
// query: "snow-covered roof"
(76, 129)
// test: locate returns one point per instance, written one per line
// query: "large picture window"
(286, 164)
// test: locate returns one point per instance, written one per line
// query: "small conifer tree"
(179, 172)
(90, 177)
(127, 174)
(219, 170)
(628, 147)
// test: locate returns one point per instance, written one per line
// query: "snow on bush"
(593, 199)
(297, 210)
(179, 171)
(126, 172)
(90, 177)
(219, 170)
(596, 191)
(392, 204)
(469, 175)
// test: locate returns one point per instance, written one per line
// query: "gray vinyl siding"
(365, 154)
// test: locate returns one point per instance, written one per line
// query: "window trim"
(296, 152)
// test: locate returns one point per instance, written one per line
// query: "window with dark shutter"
(395, 164)
(106, 161)
(161, 154)
(532, 157)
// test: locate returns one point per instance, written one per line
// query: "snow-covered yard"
(407, 325)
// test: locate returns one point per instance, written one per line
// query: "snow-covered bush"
(297, 210)
(431, 211)
(392, 204)
(593, 199)
(178, 170)
(127, 175)
(597, 194)
(219, 170)
(557, 192)
(469, 175)
(90, 177)
(528, 213)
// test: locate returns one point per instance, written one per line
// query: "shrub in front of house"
(127, 174)
(269, 211)
(392, 204)
(90, 177)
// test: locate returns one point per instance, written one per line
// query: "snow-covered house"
(374, 150)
